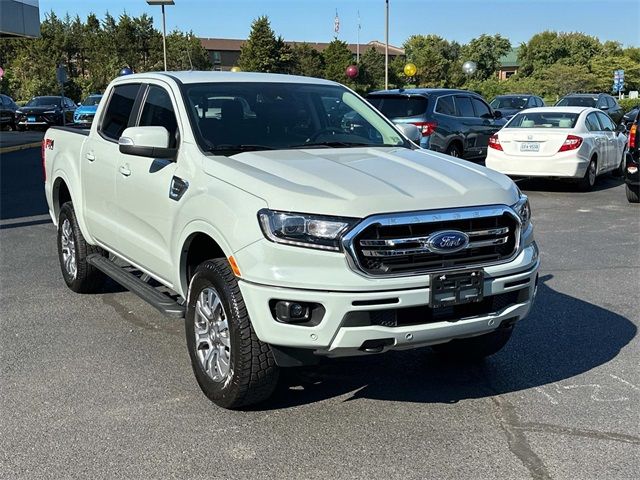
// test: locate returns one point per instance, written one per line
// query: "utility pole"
(162, 3)
(386, 47)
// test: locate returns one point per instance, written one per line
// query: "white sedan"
(558, 142)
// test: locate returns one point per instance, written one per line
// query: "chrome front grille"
(397, 245)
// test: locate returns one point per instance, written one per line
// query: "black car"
(456, 122)
(45, 111)
(631, 174)
(629, 117)
(604, 102)
(7, 112)
(509, 105)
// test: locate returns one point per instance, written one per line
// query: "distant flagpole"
(358, 41)
(336, 25)
(386, 47)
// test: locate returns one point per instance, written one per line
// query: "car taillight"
(494, 142)
(426, 128)
(571, 143)
(44, 167)
(633, 136)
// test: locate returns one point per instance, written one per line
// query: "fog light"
(632, 169)
(292, 312)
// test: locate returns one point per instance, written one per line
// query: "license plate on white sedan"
(530, 147)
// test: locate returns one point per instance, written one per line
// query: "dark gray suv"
(456, 122)
(604, 102)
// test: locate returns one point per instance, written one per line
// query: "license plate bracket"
(456, 288)
(31, 118)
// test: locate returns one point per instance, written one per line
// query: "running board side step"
(146, 292)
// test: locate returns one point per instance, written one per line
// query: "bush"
(629, 103)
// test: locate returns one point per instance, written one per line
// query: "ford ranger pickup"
(286, 220)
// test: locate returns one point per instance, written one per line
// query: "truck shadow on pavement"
(563, 337)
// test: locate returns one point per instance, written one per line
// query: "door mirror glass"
(497, 114)
(146, 142)
(410, 131)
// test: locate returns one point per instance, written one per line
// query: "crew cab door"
(98, 164)
(145, 210)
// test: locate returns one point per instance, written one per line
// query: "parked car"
(631, 174)
(509, 105)
(569, 142)
(87, 109)
(602, 101)
(290, 235)
(7, 112)
(456, 122)
(42, 112)
(629, 117)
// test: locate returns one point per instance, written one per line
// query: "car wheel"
(475, 348)
(633, 194)
(454, 150)
(589, 180)
(232, 366)
(10, 127)
(73, 250)
(20, 128)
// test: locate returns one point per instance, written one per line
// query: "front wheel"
(454, 150)
(632, 194)
(232, 366)
(475, 348)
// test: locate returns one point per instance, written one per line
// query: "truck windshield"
(272, 116)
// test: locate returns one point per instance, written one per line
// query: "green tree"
(603, 67)
(261, 51)
(435, 58)
(337, 57)
(371, 76)
(307, 60)
(486, 51)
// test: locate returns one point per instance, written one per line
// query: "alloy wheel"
(213, 342)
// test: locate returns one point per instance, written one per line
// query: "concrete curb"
(24, 146)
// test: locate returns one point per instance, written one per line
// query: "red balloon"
(352, 71)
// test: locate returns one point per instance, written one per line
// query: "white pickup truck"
(286, 220)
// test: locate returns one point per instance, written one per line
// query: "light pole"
(162, 3)
(386, 47)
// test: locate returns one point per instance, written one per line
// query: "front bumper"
(333, 336)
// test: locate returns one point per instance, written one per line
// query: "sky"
(313, 20)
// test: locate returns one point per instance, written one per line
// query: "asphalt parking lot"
(101, 386)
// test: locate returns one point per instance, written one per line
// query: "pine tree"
(337, 57)
(261, 52)
(308, 61)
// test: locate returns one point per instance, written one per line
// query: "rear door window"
(592, 123)
(464, 107)
(445, 106)
(117, 113)
(399, 106)
(605, 121)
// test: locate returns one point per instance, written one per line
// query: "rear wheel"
(454, 150)
(632, 194)
(589, 180)
(73, 250)
(475, 348)
(232, 366)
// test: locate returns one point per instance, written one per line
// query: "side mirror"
(497, 114)
(79, 104)
(146, 142)
(410, 131)
(622, 128)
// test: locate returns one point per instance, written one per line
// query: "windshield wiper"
(239, 148)
(336, 144)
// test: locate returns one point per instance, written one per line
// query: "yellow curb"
(15, 148)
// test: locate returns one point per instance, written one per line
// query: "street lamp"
(162, 3)
(386, 46)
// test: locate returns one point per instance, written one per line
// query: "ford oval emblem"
(447, 241)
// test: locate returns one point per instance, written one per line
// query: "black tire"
(632, 194)
(87, 278)
(253, 374)
(587, 182)
(474, 348)
(454, 150)
(20, 128)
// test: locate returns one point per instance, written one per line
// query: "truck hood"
(358, 182)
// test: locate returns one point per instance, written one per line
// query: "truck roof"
(194, 76)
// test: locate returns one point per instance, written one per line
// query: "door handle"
(124, 170)
(91, 157)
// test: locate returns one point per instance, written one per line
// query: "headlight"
(19, 112)
(300, 229)
(51, 111)
(523, 209)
